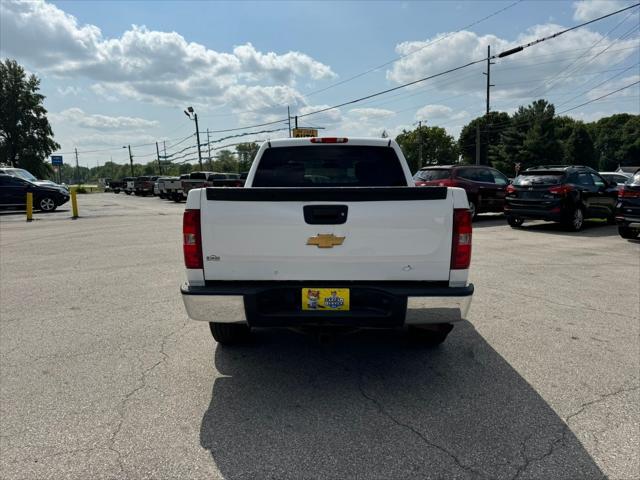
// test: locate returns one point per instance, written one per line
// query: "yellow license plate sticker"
(325, 299)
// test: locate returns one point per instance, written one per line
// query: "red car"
(485, 186)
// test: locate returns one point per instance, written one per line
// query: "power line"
(600, 97)
(433, 42)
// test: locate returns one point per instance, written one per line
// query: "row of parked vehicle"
(175, 188)
(566, 194)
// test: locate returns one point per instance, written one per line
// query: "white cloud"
(615, 85)
(440, 112)
(78, 117)
(368, 114)
(69, 90)
(539, 71)
(143, 64)
(585, 10)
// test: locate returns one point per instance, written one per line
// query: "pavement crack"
(416, 432)
(142, 384)
(565, 430)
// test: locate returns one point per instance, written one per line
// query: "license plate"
(325, 299)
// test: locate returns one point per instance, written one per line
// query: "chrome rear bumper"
(435, 305)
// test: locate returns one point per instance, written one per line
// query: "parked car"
(162, 185)
(485, 186)
(628, 208)
(26, 175)
(566, 194)
(129, 185)
(174, 188)
(144, 185)
(619, 178)
(116, 185)
(13, 193)
(289, 254)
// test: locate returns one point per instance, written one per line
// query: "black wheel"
(177, 198)
(473, 209)
(229, 333)
(116, 191)
(611, 220)
(628, 233)
(430, 335)
(575, 220)
(127, 192)
(47, 204)
(515, 222)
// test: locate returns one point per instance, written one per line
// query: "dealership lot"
(103, 376)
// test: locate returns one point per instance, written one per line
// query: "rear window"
(635, 180)
(527, 179)
(198, 176)
(432, 174)
(329, 166)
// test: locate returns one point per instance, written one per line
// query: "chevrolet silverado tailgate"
(372, 233)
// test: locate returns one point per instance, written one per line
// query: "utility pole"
(420, 144)
(488, 74)
(77, 168)
(296, 121)
(289, 120)
(195, 116)
(478, 143)
(489, 85)
(158, 154)
(209, 151)
(130, 159)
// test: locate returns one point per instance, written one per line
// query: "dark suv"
(13, 193)
(566, 194)
(485, 186)
(628, 208)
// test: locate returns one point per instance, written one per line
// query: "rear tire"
(628, 233)
(473, 209)
(229, 333)
(515, 222)
(430, 335)
(575, 220)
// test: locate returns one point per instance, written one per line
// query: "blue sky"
(121, 72)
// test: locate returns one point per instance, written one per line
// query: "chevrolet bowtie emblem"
(325, 240)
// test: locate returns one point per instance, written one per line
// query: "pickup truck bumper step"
(277, 304)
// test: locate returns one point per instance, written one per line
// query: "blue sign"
(56, 159)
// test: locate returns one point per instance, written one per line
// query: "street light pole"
(188, 113)
(130, 158)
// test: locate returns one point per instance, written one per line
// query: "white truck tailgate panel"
(384, 240)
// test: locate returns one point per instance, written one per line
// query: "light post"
(130, 157)
(188, 112)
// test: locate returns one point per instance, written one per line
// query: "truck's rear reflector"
(329, 140)
(461, 242)
(192, 239)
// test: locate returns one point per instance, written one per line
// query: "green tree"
(246, 153)
(617, 141)
(225, 162)
(438, 147)
(530, 139)
(578, 148)
(26, 138)
(491, 126)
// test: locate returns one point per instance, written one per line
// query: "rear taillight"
(461, 242)
(560, 190)
(447, 182)
(192, 239)
(329, 140)
(626, 193)
(511, 189)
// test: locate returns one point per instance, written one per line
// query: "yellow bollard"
(29, 206)
(74, 203)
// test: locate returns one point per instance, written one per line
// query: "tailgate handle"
(325, 214)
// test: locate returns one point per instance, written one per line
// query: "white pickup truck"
(328, 232)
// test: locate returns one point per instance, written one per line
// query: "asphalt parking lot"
(102, 375)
